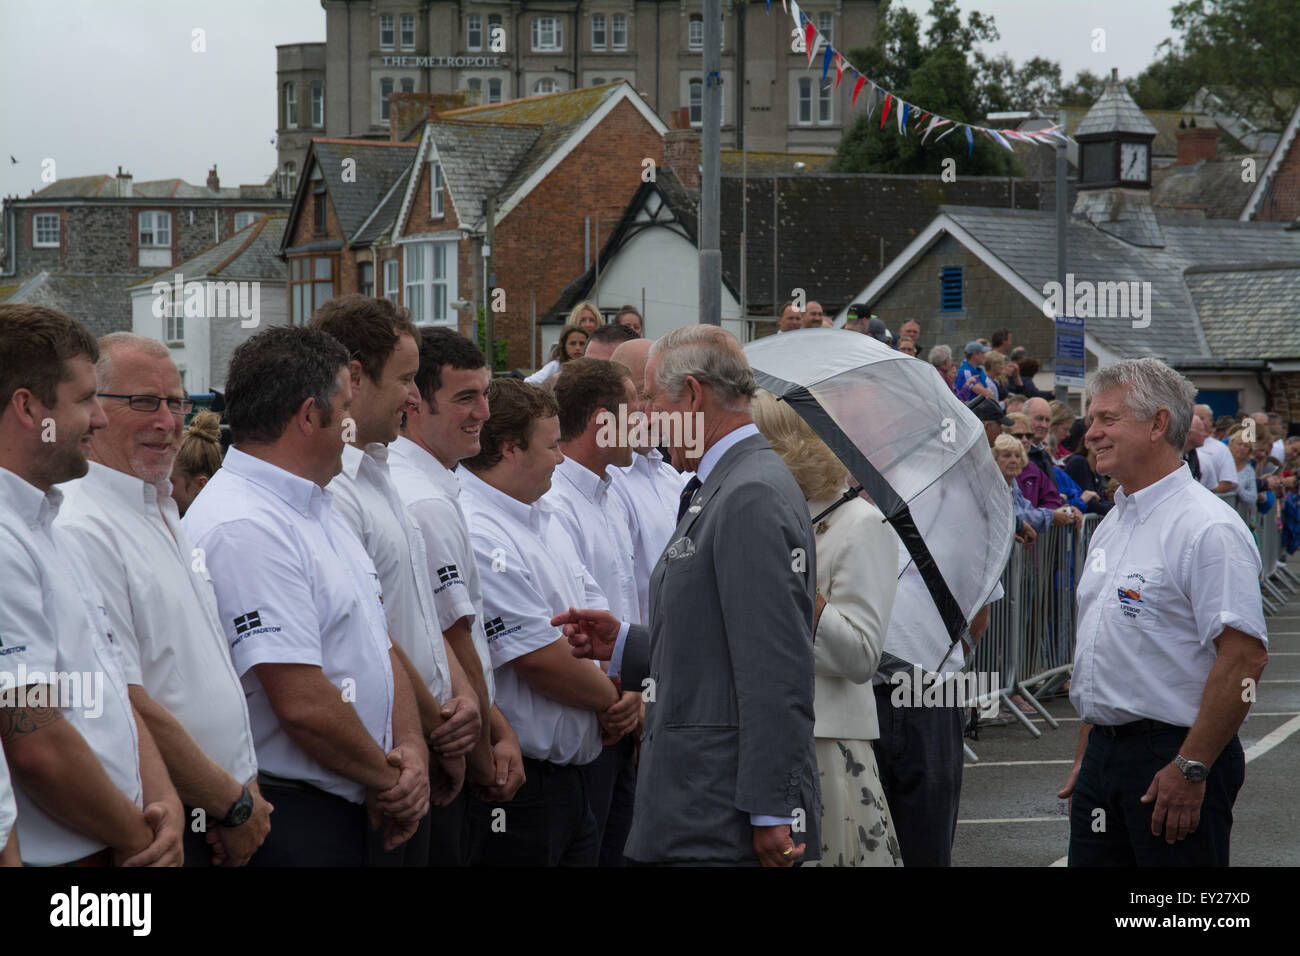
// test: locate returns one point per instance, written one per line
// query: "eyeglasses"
(150, 403)
(1022, 434)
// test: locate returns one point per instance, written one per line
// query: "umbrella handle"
(844, 499)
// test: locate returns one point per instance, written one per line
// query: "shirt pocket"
(1136, 598)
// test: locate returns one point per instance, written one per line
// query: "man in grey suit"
(728, 771)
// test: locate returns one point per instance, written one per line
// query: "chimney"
(214, 184)
(682, 148)
(123, 184)
(1196, 143)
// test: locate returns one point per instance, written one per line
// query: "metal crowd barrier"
(1276, 581)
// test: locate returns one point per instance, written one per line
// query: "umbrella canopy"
(918, 452)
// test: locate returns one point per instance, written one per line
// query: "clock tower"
(1115, 167)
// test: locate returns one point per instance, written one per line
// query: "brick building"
(1276, 197)
(412, 219)
(78, 243)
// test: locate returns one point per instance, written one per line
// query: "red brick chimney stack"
(682, 148)
(214, 184)
(1196, 143)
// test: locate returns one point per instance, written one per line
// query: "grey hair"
(709, 354)
(116, 342)
(1151, 385)
(940, 355)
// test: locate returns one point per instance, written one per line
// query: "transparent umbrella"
(919, 453)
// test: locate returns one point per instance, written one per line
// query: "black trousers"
(611, 792)
(1116, 772)
(548, 823)
(448, 831)
(312, 828)
(920, 757)
(198, 853)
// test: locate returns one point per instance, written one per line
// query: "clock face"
(1133, 162)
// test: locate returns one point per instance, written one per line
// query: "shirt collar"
(721, 447)
(530, 516)
(589, 484)
(300, 494)
(34, 507)
(1144, 502)
(427, 465)
(355, 458)
(133, 492)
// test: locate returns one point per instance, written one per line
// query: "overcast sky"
(93, 84)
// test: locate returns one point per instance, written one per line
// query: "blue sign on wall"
(1069, 350)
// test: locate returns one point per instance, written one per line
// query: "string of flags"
(907, 116)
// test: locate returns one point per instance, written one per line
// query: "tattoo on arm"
(17, 721)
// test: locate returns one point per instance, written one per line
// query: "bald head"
(1195, 434)
(634, 354)
(1204, 413)
(1040, 417)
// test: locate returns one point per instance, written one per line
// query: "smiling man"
(1170, 638)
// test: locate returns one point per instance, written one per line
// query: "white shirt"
(1224, 467)
(596, 522)
(543, 373)
(1210, 465)
(8, 808)
(1179, 566)
(53, 621)
(294, 586)
(1247, 493)
(161, 609)
(650, 489)
(366, 498)
(431, 495)
(531, 572)
(1278, 451)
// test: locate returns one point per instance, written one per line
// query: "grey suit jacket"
(729, 652)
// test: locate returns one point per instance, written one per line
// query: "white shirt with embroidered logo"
(1167, 569)
(294, 586)
(53, 621)
(366, 498)
(431, 496)
(593, 516)
(650, 489)
(161, 609)
(530, 573)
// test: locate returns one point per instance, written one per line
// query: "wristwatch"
(239, 812)
(1193, 771)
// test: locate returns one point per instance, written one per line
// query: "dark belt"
(1144, 726)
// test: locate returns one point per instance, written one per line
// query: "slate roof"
(250, 253)
(1114, 111)
(384, 216)
(1025, 242)
(479, 159)
(99, 301)
(1242, 309)
(831, 227)
(557, 116)
(379, 164)
(105, 187)
(1212, 185)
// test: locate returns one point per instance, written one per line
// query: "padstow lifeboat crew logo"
(1130, 595)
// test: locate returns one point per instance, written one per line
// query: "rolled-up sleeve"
(1224, 583)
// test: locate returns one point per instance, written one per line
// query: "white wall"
(667, 266)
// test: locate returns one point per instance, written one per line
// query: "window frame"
(555, 86)
(402, 21)
(365, 269)
(290, 172)
(437, 207)
(603, 42)
(320, 212)
(825, 21)
(499, 89)
(392, 282)
(406, 84)
(473, 24)
(305, 285)
(694, 36)
(317, 103)
(174, 323)
(37, 243)
(391, 28)
(617, 23)
(157, 217)
(692, 106)
(424, 288)
(290, 105)
(252, 217)
(383, 99)
(535, 34)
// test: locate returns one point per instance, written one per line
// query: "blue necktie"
(687, 493)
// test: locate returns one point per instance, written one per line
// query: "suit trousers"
(311, 828)
(548, 823)
(611, 791)
(919, 753)
(447, 829)
(1116, 772)
(198, 852)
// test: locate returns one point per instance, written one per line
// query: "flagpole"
(711, 174)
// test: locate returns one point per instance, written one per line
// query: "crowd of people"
(417, 616)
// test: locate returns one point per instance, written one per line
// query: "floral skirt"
(855, 816)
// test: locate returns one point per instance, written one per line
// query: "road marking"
(1257, 749)
(1015, 763)
(1020, 820)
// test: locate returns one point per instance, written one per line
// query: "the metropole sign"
(451, 62)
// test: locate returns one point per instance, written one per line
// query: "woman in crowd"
(857, 570)
(586, 316)
(1034, 485)
(197, 459)
(572, 345)
(1247, 491)
(1011, 458)
(629, 316)
(1062, 423)
(1268, 476)
(995, 366)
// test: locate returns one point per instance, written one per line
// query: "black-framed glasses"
(150, 403)
(1022, 434)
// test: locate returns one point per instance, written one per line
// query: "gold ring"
(789, 851)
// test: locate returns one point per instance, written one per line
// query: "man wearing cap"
(973, 367)
(990, 413)
(876, 329)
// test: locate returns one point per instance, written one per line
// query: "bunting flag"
(904, 112)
